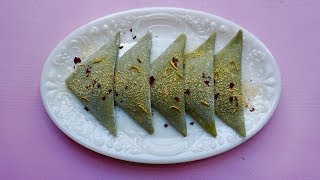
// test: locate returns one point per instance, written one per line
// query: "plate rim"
(159, 161)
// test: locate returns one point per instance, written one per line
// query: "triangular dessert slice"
(132, 89)
(228, 91)
(92, 83)
(199, 85)
(167, 84)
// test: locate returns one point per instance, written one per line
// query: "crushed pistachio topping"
(173, 65)
(135, 68)
(98, 60)
(176, 108)
(84, 98)
(205, 103)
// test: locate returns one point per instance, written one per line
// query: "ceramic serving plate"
(261, 86)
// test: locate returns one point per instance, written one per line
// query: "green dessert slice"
(92, 83)
(199, 85)
(167, 84)
(132, 87)
(228, 90)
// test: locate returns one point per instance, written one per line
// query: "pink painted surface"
(32, 147)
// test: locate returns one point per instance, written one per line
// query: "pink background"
(32, 147)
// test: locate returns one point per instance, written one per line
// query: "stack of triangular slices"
(200, 83)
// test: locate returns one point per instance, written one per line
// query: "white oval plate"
(261, 81)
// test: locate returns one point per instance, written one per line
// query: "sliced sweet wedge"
(92, 83)
(228, 91)
(199, 85)
(167, 84)
(132, 87)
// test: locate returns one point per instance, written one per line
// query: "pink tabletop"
(32, 147)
